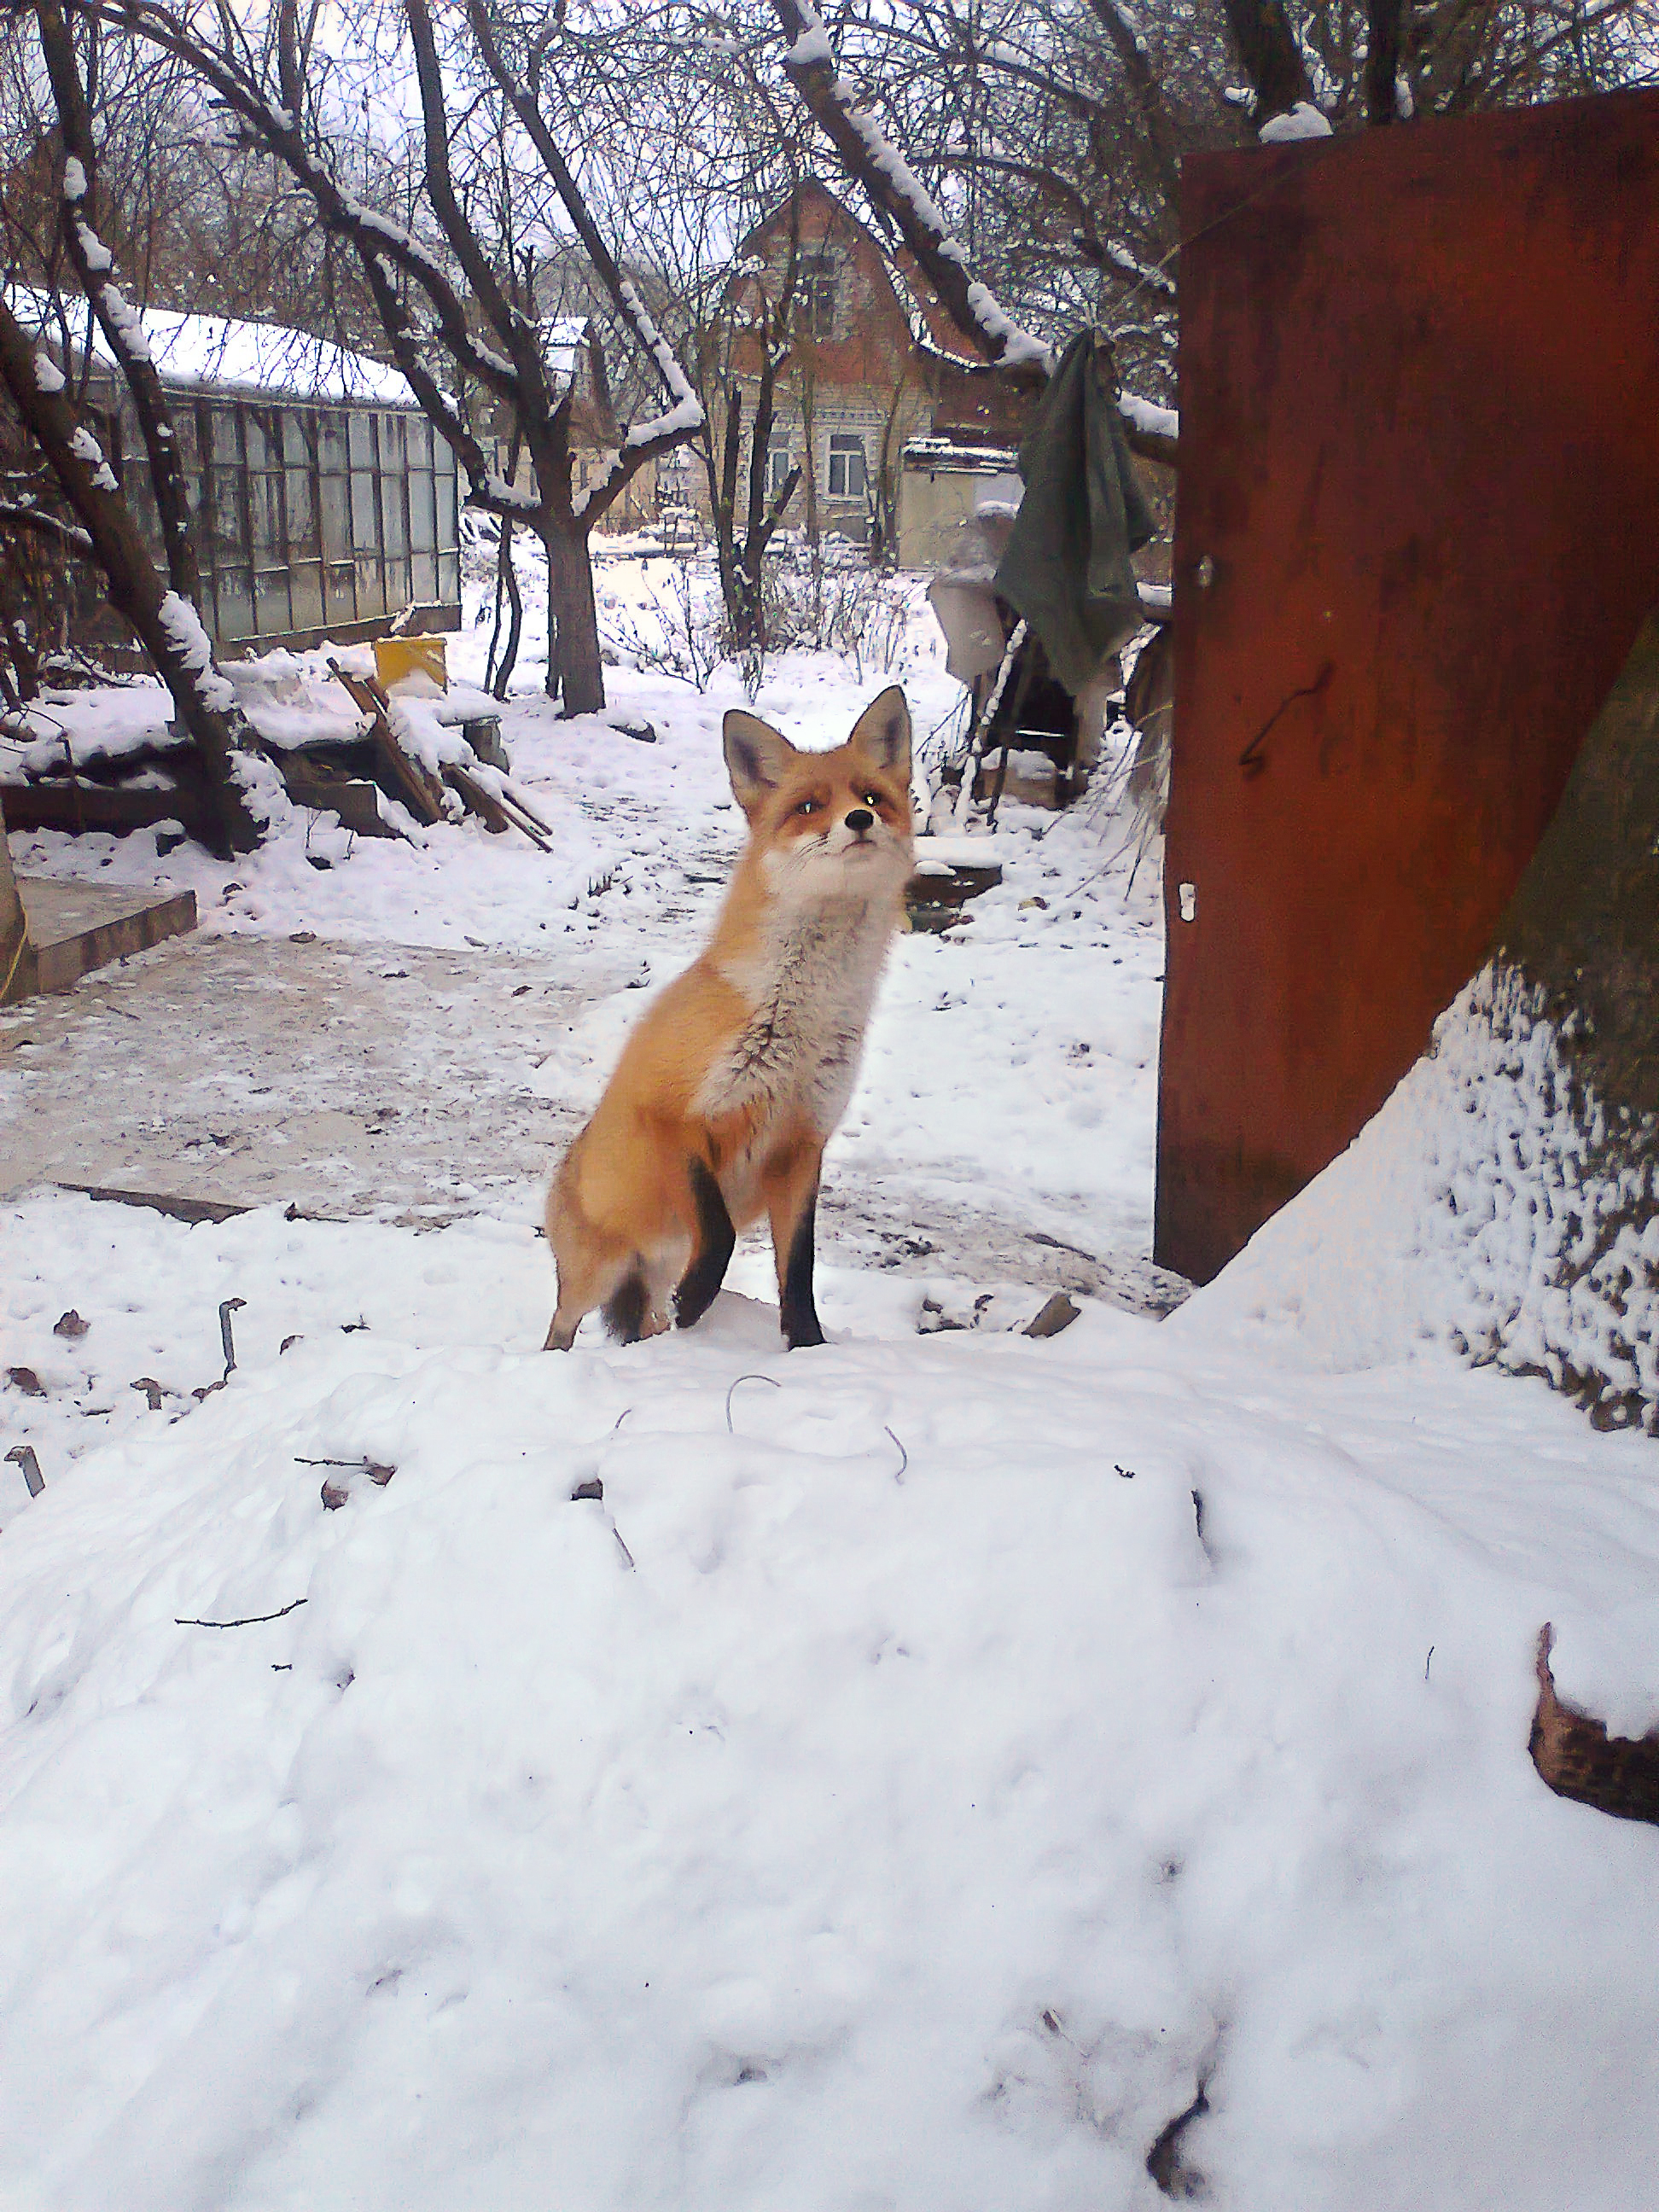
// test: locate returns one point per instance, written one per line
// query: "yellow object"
(398, 658)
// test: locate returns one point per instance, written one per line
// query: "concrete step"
(74, 927)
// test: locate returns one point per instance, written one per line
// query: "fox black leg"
(799, 1313)
(791, 1190)
(701, 1283)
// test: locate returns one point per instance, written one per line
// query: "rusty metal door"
(1418, 531)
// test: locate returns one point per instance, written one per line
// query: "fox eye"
(869, 798)
(811, 806)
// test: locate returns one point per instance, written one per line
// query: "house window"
(820, 288)
(778, 465)
(847, 473)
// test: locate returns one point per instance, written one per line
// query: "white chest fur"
(811, 989)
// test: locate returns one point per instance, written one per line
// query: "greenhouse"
(325, 504)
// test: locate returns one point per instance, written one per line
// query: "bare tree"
(448, 309)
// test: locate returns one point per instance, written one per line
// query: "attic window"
(820, 289)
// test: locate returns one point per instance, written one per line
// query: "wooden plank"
(180, 1209)
(354, 799)
(420, 792)
(16, 962)
(74, 807)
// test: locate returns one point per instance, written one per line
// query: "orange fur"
(740, 1070)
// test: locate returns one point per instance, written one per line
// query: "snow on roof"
(562, 340)
(217, 353)
(947, 453)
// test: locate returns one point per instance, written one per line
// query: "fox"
(736, 1076)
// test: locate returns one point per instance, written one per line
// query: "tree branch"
(894, 189)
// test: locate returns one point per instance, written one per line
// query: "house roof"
(217, 353)
(931, 325)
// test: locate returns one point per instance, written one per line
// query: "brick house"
(880, 391)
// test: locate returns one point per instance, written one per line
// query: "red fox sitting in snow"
(728, 1089)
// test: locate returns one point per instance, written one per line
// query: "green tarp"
(1068, 569)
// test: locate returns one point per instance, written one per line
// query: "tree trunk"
(166, 623)
(499, 673)
(1384, 52)
(1272, 59)
(574, 670)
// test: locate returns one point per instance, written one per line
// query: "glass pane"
(184, 429)
(226, 525)
(298, 437)
(271, 601)
(418, 432)
(233, 590)
(260, 448)
(331, 444)
(361, 436)
(391, 428)
(425, 566)
(266, 501)
(226, 445)
(304, 584)
(394, 529)
(335, 517)
(301, 515)
(339, 585)
(449, 579)
(446, 483)
(371, 591)
(365, 514)
(421, 518)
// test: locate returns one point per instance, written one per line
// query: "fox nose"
(860, 820)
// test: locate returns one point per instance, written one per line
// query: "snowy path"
(459, 1008)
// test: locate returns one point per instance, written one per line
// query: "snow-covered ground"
(934, 1764)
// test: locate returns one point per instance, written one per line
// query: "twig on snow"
(23, 1455)
(771, 1381)
(228, 1307)
(248, 1620)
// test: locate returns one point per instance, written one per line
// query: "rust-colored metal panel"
(1418, 531)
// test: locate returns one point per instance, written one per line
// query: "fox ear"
(757, 757)
(882, 733)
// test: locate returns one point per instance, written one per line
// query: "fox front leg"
(792, 1193)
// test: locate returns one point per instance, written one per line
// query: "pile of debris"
(374, 735)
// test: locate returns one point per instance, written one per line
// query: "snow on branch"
(24, 514)
(871, 156)
(684, 416)
(1153, 422)
(183, 626)
(85, 448)
(1147, 278)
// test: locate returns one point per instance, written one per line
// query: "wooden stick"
(512, 796)
(419, 791)
(485, 804)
